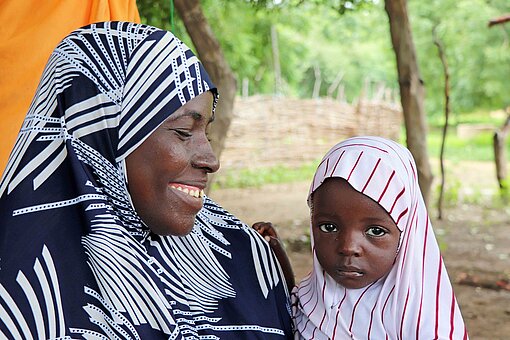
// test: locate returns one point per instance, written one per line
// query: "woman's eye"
(327, 227)
(376, 231)
(182, 133)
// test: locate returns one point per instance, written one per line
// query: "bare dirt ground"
(474, 237)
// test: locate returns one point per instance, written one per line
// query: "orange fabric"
(29, 31)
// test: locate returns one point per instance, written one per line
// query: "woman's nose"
(205, 158)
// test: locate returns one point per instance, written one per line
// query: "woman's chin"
(181, 227)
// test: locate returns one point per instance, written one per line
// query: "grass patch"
(244, 178)
(476, 148)
(476, 117)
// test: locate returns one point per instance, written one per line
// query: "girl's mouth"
(349, 273)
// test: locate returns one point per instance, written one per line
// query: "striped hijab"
(75, 259)
(415, 300)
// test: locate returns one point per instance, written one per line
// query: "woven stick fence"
(267, 131)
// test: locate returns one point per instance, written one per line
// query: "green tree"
(478, 57)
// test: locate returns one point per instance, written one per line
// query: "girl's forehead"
(336, 196)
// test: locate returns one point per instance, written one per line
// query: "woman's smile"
(189, 195)
(187, 189)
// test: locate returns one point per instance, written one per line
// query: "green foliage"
(357, 45)
(362, 55)
(309, 34)
(478, 57)
(341, 6)
(159, 13)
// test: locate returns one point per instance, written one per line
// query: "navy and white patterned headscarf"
(75, 259)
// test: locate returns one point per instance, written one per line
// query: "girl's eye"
(327, 228)
(376, 231)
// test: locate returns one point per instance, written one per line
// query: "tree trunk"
(411, 91)
(317, 83)
(500, 153)
(499, 138)
(211, 55)
(442, 56)
(276, 61)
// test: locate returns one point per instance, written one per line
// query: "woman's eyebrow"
(194, 114)
(197, 116)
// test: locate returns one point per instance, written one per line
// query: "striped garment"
(75, 259)
(415, 300)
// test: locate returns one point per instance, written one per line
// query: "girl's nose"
(349, 244)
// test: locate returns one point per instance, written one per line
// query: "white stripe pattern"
(102, 274)
(415, 300)
(48, 283)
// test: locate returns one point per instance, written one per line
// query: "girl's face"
(356, 240)
(168, 172)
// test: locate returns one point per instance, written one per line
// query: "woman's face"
(167, 173)
(355, 239)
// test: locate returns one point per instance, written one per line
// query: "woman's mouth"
(187, 189)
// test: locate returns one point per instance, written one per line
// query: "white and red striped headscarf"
(415, 300)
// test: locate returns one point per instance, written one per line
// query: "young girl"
(377, 270)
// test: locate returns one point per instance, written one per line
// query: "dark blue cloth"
(75, 259)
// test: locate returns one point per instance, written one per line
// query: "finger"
(258, 225)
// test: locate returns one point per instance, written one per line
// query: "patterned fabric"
(75, 259)
(415, 300)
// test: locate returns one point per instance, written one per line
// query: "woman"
(104, 228)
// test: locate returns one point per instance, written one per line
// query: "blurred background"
(297, 76)
(433, 75)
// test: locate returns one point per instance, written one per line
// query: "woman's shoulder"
(213, 215)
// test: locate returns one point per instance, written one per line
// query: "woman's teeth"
(195, 193)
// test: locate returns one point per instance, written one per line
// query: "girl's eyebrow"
(378, 220)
